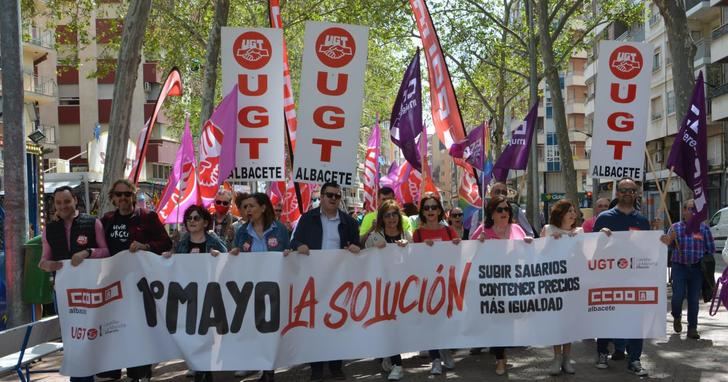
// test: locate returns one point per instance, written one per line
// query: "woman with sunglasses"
(198, 239)
(432, 229)
(499, 225)
(562, 221)
(388, 229)
(455, 220)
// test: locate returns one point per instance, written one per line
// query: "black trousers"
(137, 372)
(317, 368)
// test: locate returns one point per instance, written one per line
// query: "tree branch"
(565, 17)
(472, 84)
(498, 22)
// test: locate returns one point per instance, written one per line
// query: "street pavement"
(673, 358)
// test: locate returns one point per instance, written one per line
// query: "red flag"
(287, 193)
(408, 187)
(172, 87)
(289, 105)
(428, 185)
(444, 104)
(217, 147)
(371, 169)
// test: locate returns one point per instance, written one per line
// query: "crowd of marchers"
(76, 236)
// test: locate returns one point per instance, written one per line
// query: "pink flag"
(217, 147)
(182, 189)
(371, 169)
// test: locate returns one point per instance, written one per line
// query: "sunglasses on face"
(222, 203)
(194, 218)
(501, 210)
(390, 214)
(456, 215)
(500, 192)
(332, 195)
(627, 190)
(127, 194)
(430, 207)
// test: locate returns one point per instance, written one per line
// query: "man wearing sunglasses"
(623, 217)
(687, 275)
(222, 222)
(326, 227)
(132, 228)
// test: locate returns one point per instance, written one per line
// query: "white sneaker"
(189, 373)
(567, 366)
(436, 368)
(396, 374)
(386, 364)
(447, 359)
(555, 368)
(242, 373)
(636, 368)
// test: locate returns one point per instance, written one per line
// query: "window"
(656, 64)
(553, 158)
(670, 102)
(656, 108)
(549, 112)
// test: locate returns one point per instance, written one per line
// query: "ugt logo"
(626, 62)
(252, 50)
(335, 47)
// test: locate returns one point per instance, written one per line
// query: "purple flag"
(689, 154)
(471, 149)
(515, 156)
(406, 120)
(390, 180)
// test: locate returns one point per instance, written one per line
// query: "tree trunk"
(551, 73)
(127, 68)
(222, 9)
(682, 50)
(533, 178)
(16, 191)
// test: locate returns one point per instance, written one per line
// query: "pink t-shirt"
(588, 225)
(516, 233)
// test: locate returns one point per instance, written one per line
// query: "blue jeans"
(686, 279)
(634, 347)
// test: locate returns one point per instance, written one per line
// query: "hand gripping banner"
(261, 311)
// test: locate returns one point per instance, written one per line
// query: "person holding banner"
(431, 229)
(259, 232)
(562, 221)
(500, 225)
(687, 276)
(326, 227)
(389, 230)
(132, 228)
(222, 225)
(198, 239)
(71, 236)
(455, 220)
(624, 217)
(601, 206)
(368, 222)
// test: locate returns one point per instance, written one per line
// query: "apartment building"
(84, 98)
(708, 22)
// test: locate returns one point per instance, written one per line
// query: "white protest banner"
(332, 92)
(623, 104)
(258, 311)
(252, 58)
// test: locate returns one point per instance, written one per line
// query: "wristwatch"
(90, 251)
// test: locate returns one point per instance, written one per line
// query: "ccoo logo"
(252, 50)
(626, 62)
(335, 47)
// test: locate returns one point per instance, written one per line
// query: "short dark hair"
(385, 191)
(239, 197)
(491, 207)
(263, 200)
(64, 188)
(559, 210)
(327, 185)
(203, 212)
(426, 197)
(410, 209)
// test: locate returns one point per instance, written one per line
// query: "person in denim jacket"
(198, 238)
(260, 233)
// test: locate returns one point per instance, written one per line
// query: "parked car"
(719, 228)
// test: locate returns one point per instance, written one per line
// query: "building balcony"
(37, 42)
(575, 79)
(700, 10)
(591, 71)
(50, 134)
(575, 108)
(719, 45)
(589, 106)
(718, 98)
(37, 88)
(702, 54)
